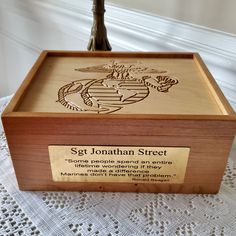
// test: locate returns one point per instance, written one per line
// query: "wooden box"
(101, 121)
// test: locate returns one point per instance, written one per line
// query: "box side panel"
(207, 160)
(125, 126)
(120, 54)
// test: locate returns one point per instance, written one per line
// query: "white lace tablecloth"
(113, 214)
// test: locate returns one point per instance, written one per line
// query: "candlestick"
(98, 39)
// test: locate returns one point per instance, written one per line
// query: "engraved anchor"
(124, 84)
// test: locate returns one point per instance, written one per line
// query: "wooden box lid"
(120, 83)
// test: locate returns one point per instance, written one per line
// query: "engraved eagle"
(123, 83)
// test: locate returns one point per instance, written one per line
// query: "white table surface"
(74, 213)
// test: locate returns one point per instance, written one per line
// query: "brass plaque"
(118, 164)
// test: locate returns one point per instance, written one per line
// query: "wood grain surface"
(192, 94)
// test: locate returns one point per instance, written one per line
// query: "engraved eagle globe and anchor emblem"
(125, 83)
